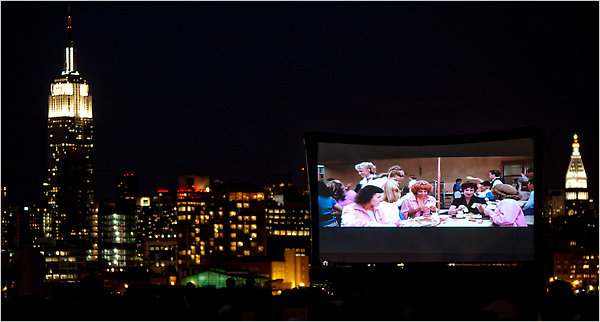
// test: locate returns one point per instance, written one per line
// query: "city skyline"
(215, 89)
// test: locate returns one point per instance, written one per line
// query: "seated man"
(486, 192)
(528, 206)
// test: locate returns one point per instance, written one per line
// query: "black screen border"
(312, 140)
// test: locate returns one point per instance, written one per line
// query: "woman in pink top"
(508, 213)
(420, 203)
(365, 212)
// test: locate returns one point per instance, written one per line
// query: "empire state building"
(70, 152)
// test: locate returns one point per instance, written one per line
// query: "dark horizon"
(228, 89)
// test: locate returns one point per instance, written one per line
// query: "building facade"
(69, 186)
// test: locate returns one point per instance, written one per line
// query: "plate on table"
(410, 223)
(427, 222)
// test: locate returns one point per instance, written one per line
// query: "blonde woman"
(390, 203)
(368, 172)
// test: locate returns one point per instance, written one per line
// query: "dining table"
(445, 220)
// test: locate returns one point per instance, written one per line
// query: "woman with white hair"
(368, 172)
(508, 213)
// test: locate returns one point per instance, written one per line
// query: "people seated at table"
(420, 203)
(340, 194)
(365, 211)
(368, 172)
(468, 201)
(326, 205)
(508, 213)
(391, 199)
(486, 192)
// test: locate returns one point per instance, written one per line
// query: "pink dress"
(411, 203)
(508, 214)
(354, 215)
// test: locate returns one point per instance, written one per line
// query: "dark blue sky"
(227, 89)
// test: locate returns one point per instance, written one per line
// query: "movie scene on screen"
(383, 186)
(425, 199)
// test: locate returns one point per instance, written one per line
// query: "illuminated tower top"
(69, 68)
(70, 94)
(576, 177)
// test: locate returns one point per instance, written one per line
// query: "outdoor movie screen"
(422, 199)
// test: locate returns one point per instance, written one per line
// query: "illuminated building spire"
(576, 177)
(69, 68)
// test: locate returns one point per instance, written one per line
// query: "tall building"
(575, 226)
(581, 217)
(9, 226)
(69, 186)
(576, 193)
(119, 226)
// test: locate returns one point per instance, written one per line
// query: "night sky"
(227, 89)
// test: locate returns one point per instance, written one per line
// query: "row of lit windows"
(307, 217)
(246, 218)
(246, 196)
(61, 276)
(60, 259)
(240, 226)
(287, 222)
(234, 235)
(290, 233)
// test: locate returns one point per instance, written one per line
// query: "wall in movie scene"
(483, 230)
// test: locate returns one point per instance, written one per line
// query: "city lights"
(152, 240)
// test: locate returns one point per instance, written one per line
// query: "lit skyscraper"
(576, 179)
(70, 152)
